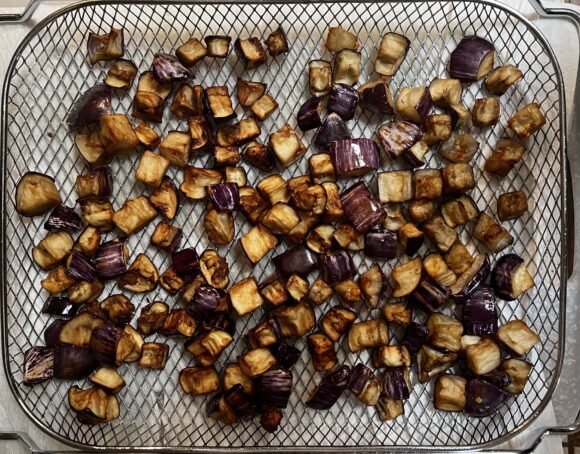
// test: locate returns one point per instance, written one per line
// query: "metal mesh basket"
(49, 72)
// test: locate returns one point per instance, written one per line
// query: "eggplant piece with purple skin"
(111, 258)
(299, 260)
(472, 59)
(90, 107)
(329, 389)
(364, 384)
(415, 337)
(518, 372)
(430, 294)
(264, 335)
(333, 129)
(496, 377)
(308, 116)
(337, 266)
(373, 284)
(224, 196)
(396, 383)
(217, 321)
(218, 46)
(472, 278)
(483, 398)
(63, 218)
(106, 47)
(363, 211)
(38, 365)
(208, 300)
(96, 182)
(376, 98)
(343, 100)
(397, 137)
(273, 387)
(104, 344)
(52, 332)
(354, 157)
(337, 321)
(479, 313)
(73, 363)
(381, 245)
(413, 104)
(411, 238)
(510, 277)
(60, 305)
(186, 262)
(167, 68)
(368, 334)
(78, 266)
(286, 354)
(250, 51)
(241, 404)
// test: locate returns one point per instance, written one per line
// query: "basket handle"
(19, 18)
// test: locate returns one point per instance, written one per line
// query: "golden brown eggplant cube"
(188, 101)
(277, 43)
(152, 168)
(485, 112)
(191, 51)
(134, 215)
(428, 184)
(321, 168)
(274, 188)
(196, 180)
(219, 103)
(286, 145)
(458, 178)
(175, 147)
(116, 134)
(511, 205)
(245, 296)
(154, 355)
(252, 204)
(458, 258)
(218, 46)
(264, 107)
(527, 121)
(257, 242)
(322, 351)
(147, 136)
(508, 152)
(250, 51)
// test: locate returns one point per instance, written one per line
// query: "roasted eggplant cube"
(295, 320)
(178, 322)
(148, 106)
(458, 178)
(339, 38)
(217, 46)
(141, 277)
(108, 378)
(200, 134)
(233, 375)
(322, 351)
(152, 168)
(492, 234)
(428, 184)
(91, 149)
(431, 362)
(191, 51)
(199, 380)
(319, 292)
(93, 405)
(154, 355)
(85, 291)
(52, 250)
(440, 233)
(459, 211)
(511, 205)
(106, 47)
(249, 92)
(208, 346)
(152, 317)
(286, 145)
(57, 281)
(517, 337)
(406, 277)
(175, 147)
(238, 133)
(395, 186)
(256, 362)
(320, 238)
(527, 121)
(398, 313)
(337, 321)
(450, 393)
(166, 237)
(165, 199)
(171, 281)
(421, 210)
(458, 258)
(252, 204)
(320, 77)
(264, 107)
(460, 148)
(245, 296)
(508, 152)
(376, 98)
(348, 291)
(391, 53)
(149, 84)
(500, 79)
(333, 210)
(445, 92)
(116, 134)
(214, 269)
(257, 242)
(226, 156)
(95, 183)
(97, 212)
(392, 356)
(372, 285)
(395, 218)
(519, 372)
(250, 51)
(264, 335)
(444, 332)
(413, 103)
(321, 168)
(219, 103)
(277, 43)
(196, 180)
(411, 238)
(134, 215)
(219, 226)
(147, 136)
(483, 357)
(188, 101)
(389, 409)
(118, 309)
(347, 67)
(273, 290)
(369, 334)
(259, 155)
(510, 277)
(437, 128)
(485, 112)
(297, 287)
(280, 219)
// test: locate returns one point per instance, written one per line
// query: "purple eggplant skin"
(465, 60)
(102, 178)
(430, 294)
(63, 218)
(241, 404)
(225, 196)
(218, 321)
(497, 378)
(60, 305)
(104, 340)
(90, 107)
(167, 68)
(354, 157)
(363, 211)
(329, 389)
(299, 260)
(479, 313)
(483, 398)
(376, 99)
(478, 279)
(342, 100)
(73, 363)
(52, 332)
(286, 354)
(381, 245)
(333, 129)
(38, 365)
(309, 114)
(336, 267)
(359, 377)
(186, 262)
(415, 337)
(394, 384)
(502, 275)
(273, 387)
(208, 300)
(111, 259)
(396, 137)
(79, 267)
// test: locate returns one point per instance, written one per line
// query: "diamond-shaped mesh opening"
(50, 73)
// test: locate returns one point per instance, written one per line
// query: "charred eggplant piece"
(500, 79)
(295, 320)
(472, 59)
(171, 281)
(389, 409)
(93, 405)
(245, 296)
(458, 178)
(485, 112)
(219, 103)
(178, 322)
(527, 121)
(376, 98)
(85, 291)
(134, 215)
(511, 205)
(338, 39)
(273, 290)
(106, 47)
(277, 43)
(329, 389)
(458, 258)
(152, 317)
(217, 46)
(492, 234)
(398, 313)
(298, 260)
(369, 334)
(397, 137)
(176, 148)
(406, 277)
(116, 134)
(336, 322)
(432, 362)
(348, 291)
(391, 53)
(233, 375)
(459, 211)
(196, 180)
(264, 107)
(265, 334)
(121, 74)
(249, 92)
(154, 355)
(320, 77)
(322, 351)
(396, 383)
(437, 128)
(250, 51)
(57, 281)
(510, 277)
(89, 107)
(238, 133)
(36, 194)
(188, 101)
(319, 292)
(257, 242)
(91, 149)
(415, 337)
(256, 362)
(347, 67)
(421, 210)
(208, 300)
(199, 381)
(191, 51)
(166, 237)
(142, 276)
(411, 238)
(297, 287)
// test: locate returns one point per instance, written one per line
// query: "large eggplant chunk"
(273, 387)
(421, 210)
(427, 184)
(191, 51)
(73, 363)
(297, 287)
(472, 278)
(381, 245)
(286, 145)
(217, 408)
(372, 285)
(347, 67)
(171, 281)
(134, 215)
(214, 269)
(219, 103)
(90, 107)
(457, 178)
(166, 237)
(106, 47)
(472, 59)
(389, 409)
(299, 260)
(176, 148)
(348, 291)
(391, 356)
(510, 277)
(354, 157)
(459, 211)
(501, 78)
(337, 321)
(483, 398)
(218, 46)
(152, 317)
(517, 337)
(322, 351)
(152, 168)
(52, 250)
(273, 290)
(257, 242)
(167, 68)
(52, 332)
(116, 134)
(479, 313)
(407, 277)
(395, 186)
(105, 342)
(111, 258)
(396, 137)
(337, 266)
(376, 98)
(413, 104)
(415, 337)
(38, 365)
(343, 100)
(460, 148)
(93, 405)
(277, 42)
(264, 107)
(396, 383)
(440, 233)
(79, 267)
(121, 74)
(97, 212)
(338, 39)
(431, 362)
(199, 380)
(118, 309)
(178, 322)
(363, 211)
(445, 92)
(256, 362)
(391, 53)
(518, 370)
(430, 294)
(238, 133)
(319, 77)
(329, 389)
(295, 320)
(511, 205)
(450, 393)
(399, 313)
(233, 375)
(527, 121)
(319, 239)
(492, 234)
(63, 218)
(197, 179)
(364, 384)
(154, 355)
(95, 183)
(333, 129)
(369, 334)
(250, 51)
(264, 335)
(458, 258)
(57, 281)
(208, 300)
(437, 128)
(308, 116)
(36, 194)
(148, 106)
(483, 357)
(259, 155)
(91, 149)
(444, 332)
(245, 296)
(108, 378)
(485, 112)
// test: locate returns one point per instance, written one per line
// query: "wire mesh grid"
(52, 70)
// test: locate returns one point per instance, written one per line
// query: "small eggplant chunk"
(333, 129)
(389, 409)
(527, 121)
(511, 205)
(517, 337)
(347, 67)
(259, 155)
(372, 284)
(444, 332)
(459, 211)
(354, 157)
(171, 281)
(308, 116)
(431, 362)
(154, 355)
(348, 291)
(111, 258)
(106, 47)
(483, 398)
(197, 179)
(108, 378)
(492, 234)
(280, 219)
(406, 277)
(264, 107)
(338, 39)
(249, 92)
(270, 420)
(445, 92)
(440, 233)
(369, 334)
(376, 98)
(118, 309)
(365, 385)
(219, 103)
(391, 356)
(94, 405)
(321, 168)
(178, 322)
(90, 106)
(57, 281)
(199, 380)
(273, 290)
(167, 68)
(91, 149)
(410, 238)
(458, 258)
(501, 78)
(188, 101)
(421, 210)
(286, 145)
(295, 320)
(322, 351)
(428, 184)
(413, 104)
(256, 362)
(391, 53)
(207, 347)
(134, 215)
(458, 178)
(343, 100)
(297, 287)
(336, 322)
(245, 296)
(508, 152)
(460, 148)
(148, 106)
(257, 242)
(52, 249)
(217, 408)
(450, 393)
(250, 51)
(485, 112)
(398, 313)
(319, 77)
(430, 294)
(519, 372)
(116, 134)
(78, 330)
(396, 383)
(395, 186)
(95, 183)
(397, 137)
(472, 278)
(141, 277)
(319, 292)
(176, 148)
(85, 291)
(437, 128)
(233, 375)
(238, 133)
(166, 237)
(165, 199)
(363, 211)
(218, 46)
(88, 242)
(472, 59)
(510, 277)
(151, 169)
(264, 335)
(36, 194)
(483, 357)
(152, 317)
(191, 51)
